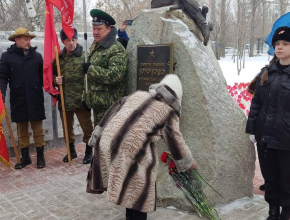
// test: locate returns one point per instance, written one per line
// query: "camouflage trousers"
(85, 121)
(98, 115)
(23, 134)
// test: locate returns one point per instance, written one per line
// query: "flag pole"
(12, 137)
(85, 37)
(62, 106)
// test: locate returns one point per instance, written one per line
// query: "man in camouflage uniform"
(71, 60)
(106, 66)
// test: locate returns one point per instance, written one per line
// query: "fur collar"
(170, 99)
(110, 38)
(77, 52)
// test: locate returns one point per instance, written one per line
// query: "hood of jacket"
(165, 92)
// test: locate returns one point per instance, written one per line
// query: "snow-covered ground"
(252, 68)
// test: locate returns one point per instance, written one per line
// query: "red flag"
(56, 3)
(4, 158)
(50, 40)
(67, 14)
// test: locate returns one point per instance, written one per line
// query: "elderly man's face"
(70, 44)
(100, 32)
(23, 42)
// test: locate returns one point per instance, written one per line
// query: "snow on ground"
(252, 68)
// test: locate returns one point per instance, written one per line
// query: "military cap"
(21, 32)
(101, 17)
(282, 33)
(63, 35)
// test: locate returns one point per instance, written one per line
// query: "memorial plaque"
(153, 63)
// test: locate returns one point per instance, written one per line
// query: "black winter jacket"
(24, 75)
(269, 117)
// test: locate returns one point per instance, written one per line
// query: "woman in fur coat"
(125, 157)
(269, 125)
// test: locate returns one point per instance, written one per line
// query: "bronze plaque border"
(171, 57)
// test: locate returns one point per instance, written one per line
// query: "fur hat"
(173, 81)
(282, 33)
(63, 35)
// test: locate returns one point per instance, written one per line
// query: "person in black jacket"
(22, 67)
(269, 125)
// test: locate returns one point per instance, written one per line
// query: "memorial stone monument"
(212, 124)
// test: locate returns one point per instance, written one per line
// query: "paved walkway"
(58, 192)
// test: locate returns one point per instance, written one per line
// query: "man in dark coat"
(21, 66)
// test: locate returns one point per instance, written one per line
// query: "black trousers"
(132, 214)
(275, 168)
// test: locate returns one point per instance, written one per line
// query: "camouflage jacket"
(107, 72)
(71, 67)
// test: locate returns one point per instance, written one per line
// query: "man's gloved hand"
(86, 107)
(253, 139)
(86, 67)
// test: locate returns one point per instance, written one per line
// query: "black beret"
(101, 17)
(282, 33)
(63, 35)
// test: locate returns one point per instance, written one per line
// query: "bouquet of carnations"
(190, 182)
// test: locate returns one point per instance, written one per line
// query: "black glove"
(57, 96)
(86, 107)
(86, 67)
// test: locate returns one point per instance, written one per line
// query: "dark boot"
(73, 153)
(40, 157)
(88, 155)
(193, 10)
(129, 213)
(274, 213)
(137, 215)
(25, 159)
(285, 214)
(204, 11)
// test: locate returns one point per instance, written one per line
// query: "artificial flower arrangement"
(241, 96)
(190, 182)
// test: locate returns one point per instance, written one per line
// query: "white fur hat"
(173, 81)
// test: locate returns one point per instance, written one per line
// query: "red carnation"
(242, 106)
(171, 165)
(164, 157)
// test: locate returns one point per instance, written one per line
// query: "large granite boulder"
(212, 124)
